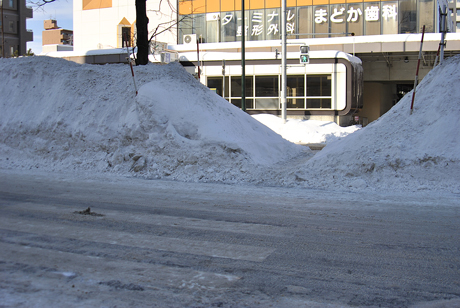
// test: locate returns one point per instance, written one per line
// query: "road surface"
(151, 243)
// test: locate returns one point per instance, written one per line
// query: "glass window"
(321, 20)
(212, 30)
(426, 15)
(239, 25)
(236, 86)
(185, 27)
(390, 17)
(272, 19)
(228, 26)
(315, 103)
(215, 84)
(295, 86)
(371, 18)
(11, 3)
(338, 19)
(248, 102)
(267, 103)
(305, 22)
(199, 25)
(355, 18)
(408, 16)
(319, 85)
(291, 22)
(257, 25)
(126, 36)
(267, 86)
(295, 89)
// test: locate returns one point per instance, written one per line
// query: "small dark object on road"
(88, 212)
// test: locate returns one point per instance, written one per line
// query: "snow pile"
(400, 151)
(58, 115)
(305, 131)
(61, 116)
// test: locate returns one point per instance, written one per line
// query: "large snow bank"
(58, 115)
(400, 151)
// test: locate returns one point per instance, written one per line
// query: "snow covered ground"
(58, 116)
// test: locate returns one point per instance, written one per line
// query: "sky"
(87, 119)
(60, 10)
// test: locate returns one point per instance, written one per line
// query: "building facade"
(381, 37)
(13, 32)
(53, 35)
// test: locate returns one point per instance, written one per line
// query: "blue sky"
(61, 10)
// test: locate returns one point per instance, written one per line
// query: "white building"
(101, 24)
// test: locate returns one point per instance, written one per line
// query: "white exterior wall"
(98, 28)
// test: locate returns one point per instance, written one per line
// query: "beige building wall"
(57, 36)
(378, 98)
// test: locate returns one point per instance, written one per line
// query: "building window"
(126, 36)
(319, 91)
(235, 91)
(256, 25)
(262, 92)
(11, 24)
(273, 24)
(228, 26)
(295, 92)
(199, 25)
(390, 17)
(212, 28)
(426, 15)
(11, 3)
(408, 16)
(305, 25)
(321, 20)
(215, 85)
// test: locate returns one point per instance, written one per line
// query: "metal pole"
(198, 58)
(223, 82)
(416, 73)
(283, 61)
(3, 35)
(243, 60)
(443, 32)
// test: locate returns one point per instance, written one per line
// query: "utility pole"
(443, 31)
(3, 34)
(283, 62)
(243, 59)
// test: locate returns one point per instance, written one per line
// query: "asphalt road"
(168, 244)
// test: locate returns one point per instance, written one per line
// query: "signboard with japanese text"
(314, 21)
